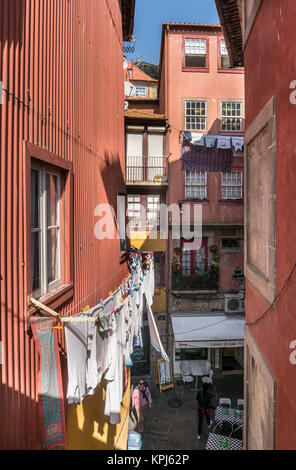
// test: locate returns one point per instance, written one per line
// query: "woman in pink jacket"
(141, 397)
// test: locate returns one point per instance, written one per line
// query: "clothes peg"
(100, 302)
(110, 294)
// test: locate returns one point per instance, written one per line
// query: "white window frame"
(153, 210)
(232, 117)
(223, 52)
(134, 215)
(198, 184)
(45, 286)
(200, 120)
(231, 185)
(196, 47)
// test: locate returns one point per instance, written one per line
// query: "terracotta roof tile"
(138, 74)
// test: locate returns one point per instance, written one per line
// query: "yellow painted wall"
(89, 429)
(160, 300)
(141, 241)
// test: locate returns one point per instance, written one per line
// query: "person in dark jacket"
(203, 398)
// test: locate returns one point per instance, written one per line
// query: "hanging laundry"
(114, 375)
(50, 390)
(197, 139)
(77, 345)
(154, 334)
(201, 158)
(223, 142)
(210, 141)
(238, 143)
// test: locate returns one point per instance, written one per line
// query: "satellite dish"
(125, 105)
(129, 89)
(125, 64)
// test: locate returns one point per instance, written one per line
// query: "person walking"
(141, 397)
(203, 398)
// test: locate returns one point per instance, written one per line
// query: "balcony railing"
(146, 169)
(207, 279)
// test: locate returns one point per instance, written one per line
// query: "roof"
(128, 13)
(230, 17)
(208, 328)
(195, 25)
(135, 113)
(138, 74)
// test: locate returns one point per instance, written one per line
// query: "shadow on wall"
(112, 177)
(13, 14)
(89, 429)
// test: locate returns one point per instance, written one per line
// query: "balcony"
(151, 171)
(207, 279)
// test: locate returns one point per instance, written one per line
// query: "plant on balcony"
(158, 179)
(176, 265)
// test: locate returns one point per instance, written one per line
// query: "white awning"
(208, 331)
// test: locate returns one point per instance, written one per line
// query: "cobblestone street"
(168, 428)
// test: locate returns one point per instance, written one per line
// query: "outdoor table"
(231, 416)
(199, 368)
(219, 442)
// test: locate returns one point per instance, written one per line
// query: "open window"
(196, 53)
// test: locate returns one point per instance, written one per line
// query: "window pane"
(52, 255)
(35, 199)
(52, 199)
(36, 261)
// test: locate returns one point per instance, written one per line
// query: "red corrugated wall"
(61, 68)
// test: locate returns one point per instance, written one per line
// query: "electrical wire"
(272, 306)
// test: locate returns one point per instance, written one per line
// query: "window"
(192, 260)
(153, 211)
(191, 354)
(159, 268)
(196, 53)
(224, 55)
(45, 229)
(231, 116)
(134, 210)
(232, 185)
(195, 185)
(232, 244)
(134, 156)
(141, 91)
(195, 115)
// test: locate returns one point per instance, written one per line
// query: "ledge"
(55, 298)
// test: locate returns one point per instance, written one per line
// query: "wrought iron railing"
(150, 169)
(207, 279)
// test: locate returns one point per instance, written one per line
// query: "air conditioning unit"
(234, 303)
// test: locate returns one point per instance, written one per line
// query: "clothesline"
(66, 318)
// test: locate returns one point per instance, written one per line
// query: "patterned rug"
(50, 389)
(202, 158)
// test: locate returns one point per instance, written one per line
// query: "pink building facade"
(202, 96)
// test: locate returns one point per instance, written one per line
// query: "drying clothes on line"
(77, 343)
(114, 375)
(201, 158)
(238, 143)
(223, 142)
(210, 141)
(50, 389)
(154, 335)
(99, 360)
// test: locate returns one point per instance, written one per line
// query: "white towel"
(154, 335)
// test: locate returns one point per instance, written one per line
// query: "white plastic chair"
(185, 372)
(240, 404)
(225, 402)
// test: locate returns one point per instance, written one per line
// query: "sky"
(150, 14)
